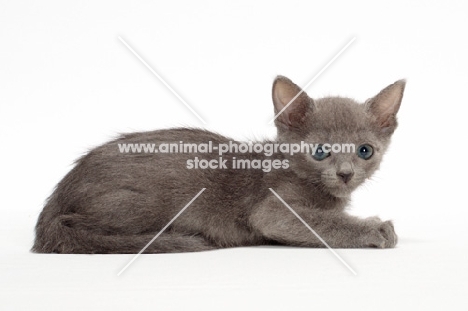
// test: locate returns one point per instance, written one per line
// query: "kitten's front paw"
(381, 235)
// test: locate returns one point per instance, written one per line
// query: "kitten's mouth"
(341, 190)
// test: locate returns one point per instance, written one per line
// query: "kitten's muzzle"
(345, 172)
(345, 176)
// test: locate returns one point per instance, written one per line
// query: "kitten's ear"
(284, 90)
(385, 106)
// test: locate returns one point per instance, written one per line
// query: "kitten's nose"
(345, 176)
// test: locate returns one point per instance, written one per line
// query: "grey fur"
(115, 203)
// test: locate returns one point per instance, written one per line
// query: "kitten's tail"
(64, 234)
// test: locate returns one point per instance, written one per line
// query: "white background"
(67, 84)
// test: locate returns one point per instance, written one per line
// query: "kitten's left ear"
(385, 106)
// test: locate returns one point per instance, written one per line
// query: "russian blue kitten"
(113, 202)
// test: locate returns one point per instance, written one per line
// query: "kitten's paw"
(388, 231)
(381, 235)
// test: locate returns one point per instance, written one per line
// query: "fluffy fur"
(113, 202)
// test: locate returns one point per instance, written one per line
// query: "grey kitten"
(113, 202)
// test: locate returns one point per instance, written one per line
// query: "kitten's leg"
(275, 221)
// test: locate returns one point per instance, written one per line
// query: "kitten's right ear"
(293, 115)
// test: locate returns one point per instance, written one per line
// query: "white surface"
(67, 84)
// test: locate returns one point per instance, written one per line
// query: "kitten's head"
(339, 121)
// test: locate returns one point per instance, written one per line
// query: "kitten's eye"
(365, 151)
(319, 154)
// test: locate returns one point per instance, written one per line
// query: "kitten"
(113, 202)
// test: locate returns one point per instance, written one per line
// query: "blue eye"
(365, 151)
(319, 154)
